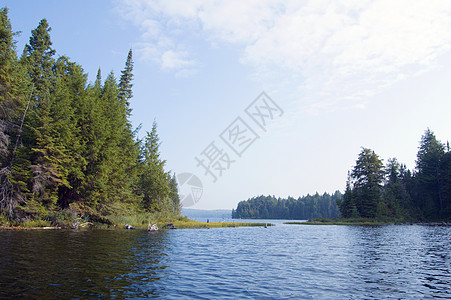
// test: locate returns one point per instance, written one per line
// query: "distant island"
(303, 208)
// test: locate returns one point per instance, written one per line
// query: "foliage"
(67, 148)
(374, 193)
(367, 177)
(303, 208)
(153, 181)
(397, 194)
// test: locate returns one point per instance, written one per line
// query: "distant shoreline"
(364, 223)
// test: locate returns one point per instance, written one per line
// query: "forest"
(374, 191)
(66, 144)
(303, 208)
(392, 192)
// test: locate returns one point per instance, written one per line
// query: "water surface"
(280, 262)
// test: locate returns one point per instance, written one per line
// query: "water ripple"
(281, 262)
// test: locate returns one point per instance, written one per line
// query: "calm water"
(280, 262)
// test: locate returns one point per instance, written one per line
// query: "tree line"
(389, 192)
(65, 142)
(303, 208)
(392, 192)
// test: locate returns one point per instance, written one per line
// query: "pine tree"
(173, 194)
(347, 205)
(125, 84)
(153, 180)
(429, 177)
(128, 145)
(46, 151)
(368, 175)
(395, 197)
(68, 92)
(63, 141)
(101, 123)
(38, 59)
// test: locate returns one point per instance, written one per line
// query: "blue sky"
(345, 73)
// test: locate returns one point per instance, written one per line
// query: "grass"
(117, 220)
(196, 224)
(141, 221)
(28, 224)
(35, 223)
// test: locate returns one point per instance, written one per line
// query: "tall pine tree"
(368, 175)
(125, 84)
(429, 175)
(153, 181)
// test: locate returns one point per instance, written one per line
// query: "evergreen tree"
(63, 141)
(429, 177)
(173, 194)
(102, 125)
(347, 205)
(307, 207)
(125, 84)
(129, 154)
(368, 175)
(69, 91)
(38, 59)
(48, 121)
(153, 181)
(396, 200)
(106, 121)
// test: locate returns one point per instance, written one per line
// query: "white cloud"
(345, 51)
(178, 61)
(162, 24)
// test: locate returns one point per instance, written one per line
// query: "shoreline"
(13, 228)
(178, 224)
(375, 223)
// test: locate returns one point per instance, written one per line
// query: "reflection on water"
(277, 262)
(78, 263)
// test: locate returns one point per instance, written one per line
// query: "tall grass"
(35, 224)
(196, 224)
(142, 220)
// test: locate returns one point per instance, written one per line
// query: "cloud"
(343, 51)
(174, 60)
(163, 25)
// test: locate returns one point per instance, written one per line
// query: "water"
(280, 262)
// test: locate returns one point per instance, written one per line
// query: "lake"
(279, 262)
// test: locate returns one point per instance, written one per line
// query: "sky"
(265, 97)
